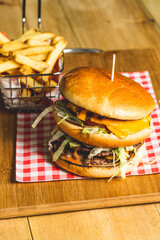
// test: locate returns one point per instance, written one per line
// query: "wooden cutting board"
(24, 199)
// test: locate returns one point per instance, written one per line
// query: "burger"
(101, 124)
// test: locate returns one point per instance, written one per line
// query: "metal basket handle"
(24, 15)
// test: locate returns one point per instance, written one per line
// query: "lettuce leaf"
(73, 143)
(122, 156)
(55, 136)
(96, 150)
(94, 129)
(63, 112)
(59, 151)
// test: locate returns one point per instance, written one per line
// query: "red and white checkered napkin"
(33, 161)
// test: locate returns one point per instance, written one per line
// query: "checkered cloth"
(33, 161)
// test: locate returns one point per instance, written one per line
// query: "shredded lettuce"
(122, 156)
(96, 150)
(56, 136)
(64, 118)
(63, 112)
(94, 129)
(55, 130)
(114, 157)
(123, 162)
(130, 148)
(73, 143)
(119, 154)
(59, 151)
(41, 115)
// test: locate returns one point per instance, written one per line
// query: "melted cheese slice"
(122, 128)
(82, 115)
(119, 128)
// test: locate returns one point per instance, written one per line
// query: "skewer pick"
(113, 67)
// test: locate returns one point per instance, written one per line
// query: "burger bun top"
(92, 89)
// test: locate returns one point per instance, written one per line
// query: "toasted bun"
(92, 89)
(100, 171)
(101, 139)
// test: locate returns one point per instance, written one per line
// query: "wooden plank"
(81, 25)
(70, 206)
(19, 199)
(151, 8)
(15, 229)
(53, 19)
(134, 222)
(10, 18)
(109, 25)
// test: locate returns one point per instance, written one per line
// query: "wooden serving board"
(24, 199)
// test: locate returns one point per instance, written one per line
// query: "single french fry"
(26, 93)
(36, 35)
(25, 35)
(43, 36)
(37, 42)
(8, 65)
(13, 72)
(36, 98)
(3, 59)
(25, 70)
(31, 83)
(49, 85)
(5, 54)
(3, 38)
(56, 39)
(34, 50)
(36, 65)
(39, 57)
(12, 46)
(52, 58)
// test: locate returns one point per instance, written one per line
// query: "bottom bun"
(100, 171)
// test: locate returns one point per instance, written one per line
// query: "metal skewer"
(23, 15)
(39, 15)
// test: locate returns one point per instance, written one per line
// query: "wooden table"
(109, 25)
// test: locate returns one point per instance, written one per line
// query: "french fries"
(26, 93)
(8, 65)
(25, 70)
(49, 84)
(12, 46)
(36, 97)
(3, 38)
(42, 36)
(34, 50)
(26, 35)
(31, 83)
(52, 58)
(3, 59)
(30, 54)
(39, 66)
(39, 57)
(13, 72)
(57, 39)
(37, 42)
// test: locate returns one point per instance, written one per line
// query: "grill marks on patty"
(80, 155)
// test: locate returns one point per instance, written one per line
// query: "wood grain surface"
(107, 25)
(22, 199)
(113, 223)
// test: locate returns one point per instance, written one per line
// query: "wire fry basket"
(32, 92)
(21, 96)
